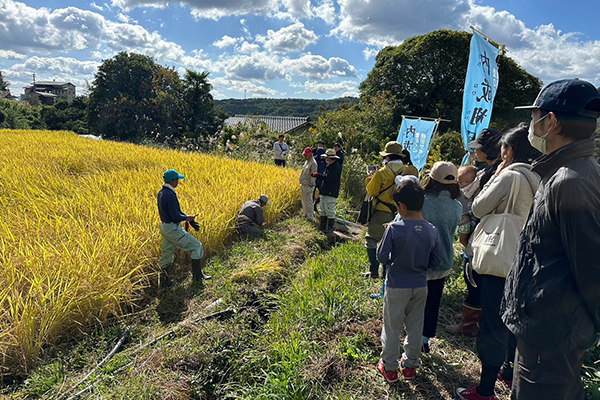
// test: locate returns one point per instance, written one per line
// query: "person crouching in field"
(251, 218)
(409, 248)
(172, 233)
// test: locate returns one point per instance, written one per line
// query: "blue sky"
(282, 48)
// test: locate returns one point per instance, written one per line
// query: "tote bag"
(496, 238)
(366, 210)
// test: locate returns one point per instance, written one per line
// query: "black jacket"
(552, 293)
(331, 180)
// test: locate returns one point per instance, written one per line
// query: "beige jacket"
(309, 167)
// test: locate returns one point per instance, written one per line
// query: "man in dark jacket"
(552, 293)
(251, 218)
(172, 233)
(329, 190)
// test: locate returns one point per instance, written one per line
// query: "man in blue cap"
(552, 293)
(173, 234)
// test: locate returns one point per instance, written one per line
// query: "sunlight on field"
(79, 227)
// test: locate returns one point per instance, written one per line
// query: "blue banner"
(415, 136)
(481, 85)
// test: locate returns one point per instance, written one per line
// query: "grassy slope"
(304, 327)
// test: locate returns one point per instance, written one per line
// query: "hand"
(190, 218)
(195, 225)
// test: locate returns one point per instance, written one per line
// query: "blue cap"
(571, 96)
(171, 174)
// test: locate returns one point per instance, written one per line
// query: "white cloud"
(392, 21)
(347, 88)
(369, 52)
(326, 11)
(258, 66)
(226, 41)
(248, 48)
(96, 6)
(249, 88)
(11, 55)
(289, 39)
(316, 67)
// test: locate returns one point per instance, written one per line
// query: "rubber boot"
(373, 263)
(323, 223)
(165, 280)
(330, 225)
(468, 323)
(197, 271)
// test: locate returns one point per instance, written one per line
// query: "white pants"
(328, 206)
(307, 201)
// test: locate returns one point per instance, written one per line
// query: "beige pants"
(307, 201)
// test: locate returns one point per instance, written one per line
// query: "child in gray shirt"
(409, 247)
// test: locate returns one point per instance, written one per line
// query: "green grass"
(299, 325)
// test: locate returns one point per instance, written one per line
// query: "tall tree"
(133, 97)
(199, 102)
(426, 75)
(3, 83)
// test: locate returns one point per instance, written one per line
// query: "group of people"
(533, 317)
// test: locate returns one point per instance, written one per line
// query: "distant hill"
(282, 107)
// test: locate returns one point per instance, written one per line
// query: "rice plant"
(79, 227)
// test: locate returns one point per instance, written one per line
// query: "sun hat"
(571, 96)
(392, 147)
(330, 154)
(171, 174)
(264, 199)
(444, 172)
(402, 178)
(306, 151)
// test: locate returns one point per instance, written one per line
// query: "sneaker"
(505, 381)
(471, 394)
(425, 348)
(407, 373)
(391, 376)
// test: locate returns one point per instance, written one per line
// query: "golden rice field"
(79, 227)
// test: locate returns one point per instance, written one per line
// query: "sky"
(311, 49)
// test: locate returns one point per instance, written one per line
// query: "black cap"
(488, 142)
(571, 96)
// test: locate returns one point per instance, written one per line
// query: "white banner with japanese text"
(481, 85)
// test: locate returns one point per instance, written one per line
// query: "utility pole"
(33, 80)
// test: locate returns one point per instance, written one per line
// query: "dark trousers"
(546, 374)
(495, 343)
(280, 163)
(473, 299)
(435, 288)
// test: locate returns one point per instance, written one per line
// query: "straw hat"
(392, 147)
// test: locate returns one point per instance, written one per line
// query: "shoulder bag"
(496, 238)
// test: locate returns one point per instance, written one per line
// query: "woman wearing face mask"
(495, 344)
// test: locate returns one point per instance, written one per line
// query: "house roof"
(52, 83)
(275, 123)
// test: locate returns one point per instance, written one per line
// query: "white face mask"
(537, 142)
